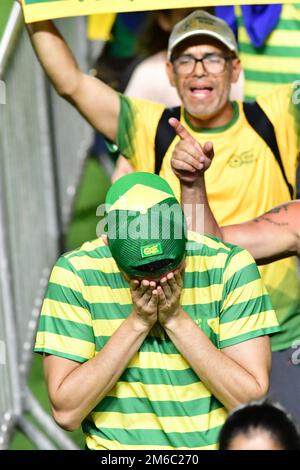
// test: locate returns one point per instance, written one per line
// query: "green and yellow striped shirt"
(158, 402)
(277, 62)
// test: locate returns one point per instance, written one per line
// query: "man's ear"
(236, 70)
(104, 238)
(170, 73)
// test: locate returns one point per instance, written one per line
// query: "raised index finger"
(180, 130)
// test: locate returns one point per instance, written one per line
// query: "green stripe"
(99, 252)
(160, 376)
(205, 251)
(129, 115)
(72, 357)
(244, 309)
(94, 278)
(247, 336)
(241, 278)
(63, 262)
(111, 311)
(207, 278)
(154, 437)
(158, 345)
(258, 76)
(68, 328)
(154, 344)
(249, 98)
(115, 311)
(159, 408)
(65, 295)
(268, 50)
(283, 24)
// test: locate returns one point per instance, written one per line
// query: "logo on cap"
(152, 249)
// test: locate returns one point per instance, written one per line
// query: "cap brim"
(201, 33)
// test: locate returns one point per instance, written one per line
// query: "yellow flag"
(99, 26)
(36, 10)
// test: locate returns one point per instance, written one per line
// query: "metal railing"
(43, 145)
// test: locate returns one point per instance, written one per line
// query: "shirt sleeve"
(282, 106)
(136, 133)
(65, 325)
(246, 310)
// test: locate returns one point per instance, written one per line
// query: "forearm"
(89, 383)
(55, 57)
(195, 203)
(230, 383)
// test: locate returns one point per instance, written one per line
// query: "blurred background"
(55, 171)
(50, 187)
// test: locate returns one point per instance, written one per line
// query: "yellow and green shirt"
(243, 181)
(278, 61)
(158, 402)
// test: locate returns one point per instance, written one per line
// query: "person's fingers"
(172, 283)
(144, 286)
(180, 156)
(153, 301)
(187, 149)
(161, 296)
(166, 287)
(179, 165)
(178, 278)
(134, 284)
(147, 294)
(182, 132)
(208, 149)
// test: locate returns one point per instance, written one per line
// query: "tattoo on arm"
(267, 219)
(275, 210)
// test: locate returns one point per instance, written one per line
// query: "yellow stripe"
(65, 311)
(242, 294)
(139, 198)
(203, 263)
(238, 262)
(160, 392)
(214, 324)
(155, 360)
(106, 265)
(289, 12)
(209, 294)
(168, 424)
(66, 278)
(209, 242)
(278, 38)
(87, 246)
(253, 88)
(65, 344)
(95, 294)
(261, 63)
(190, 296)
(248, 324)
(88, 7)
(106, 327)
(97, 443)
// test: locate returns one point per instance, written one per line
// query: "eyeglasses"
(212, 63)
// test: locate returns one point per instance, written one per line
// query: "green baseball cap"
(146, 226)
